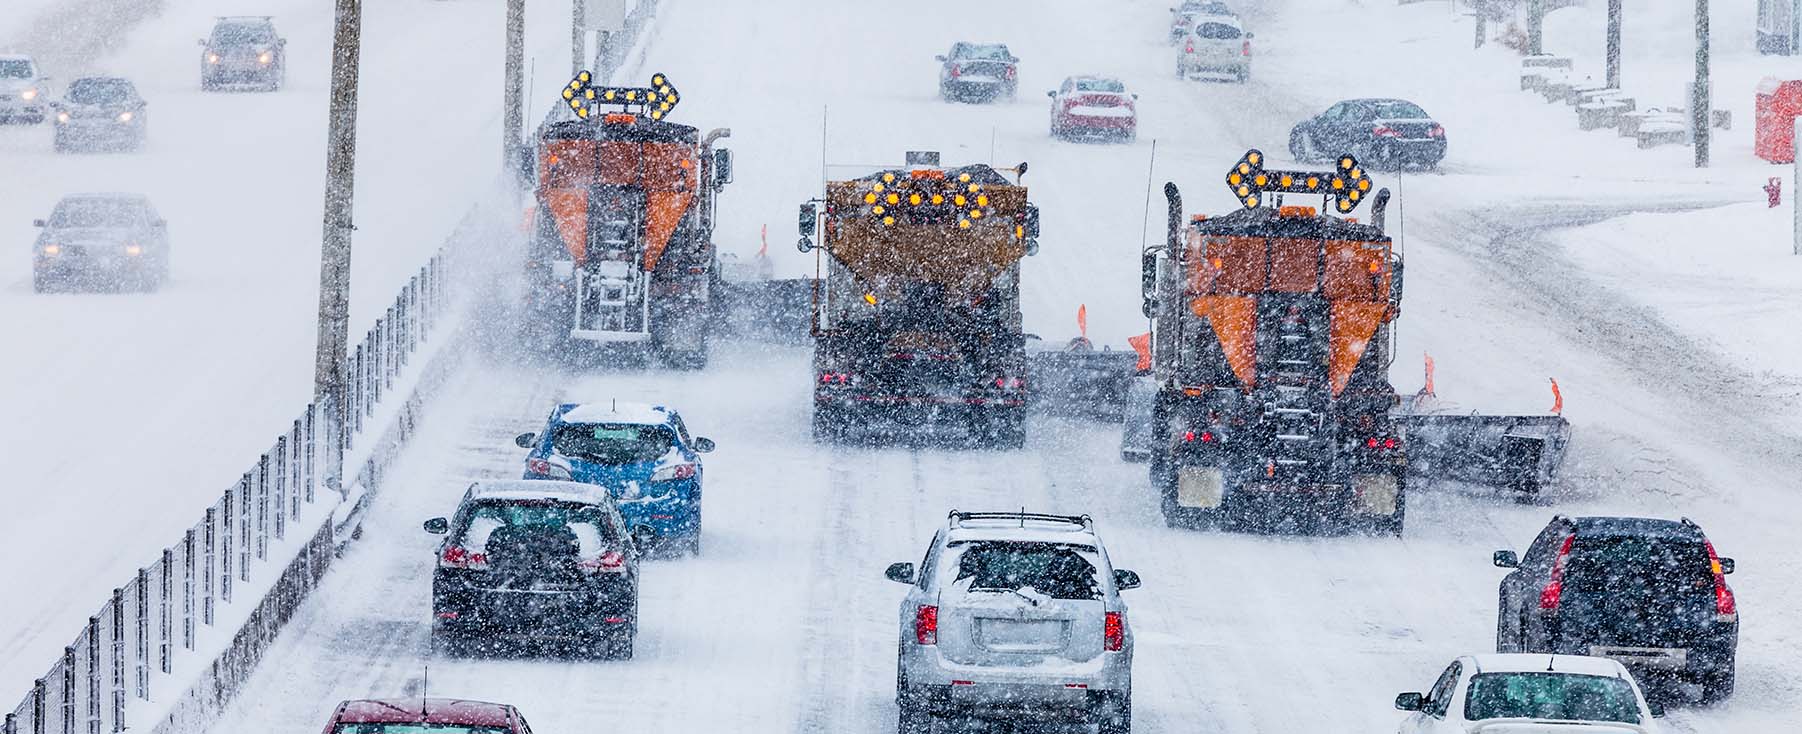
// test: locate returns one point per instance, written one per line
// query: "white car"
(1521, 693)
(23, 96)
(1215, 45)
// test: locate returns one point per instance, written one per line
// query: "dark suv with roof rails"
(978, 72)
(1650, 593)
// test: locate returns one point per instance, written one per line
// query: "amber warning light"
(656, 100)
(1346, 184)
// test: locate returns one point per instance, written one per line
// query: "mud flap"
(1374, 494)
(1199, 487)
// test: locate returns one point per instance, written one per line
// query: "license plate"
(1664, 658)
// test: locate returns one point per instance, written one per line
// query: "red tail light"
(835, 378)
(1245, 49)
(956, 72)
(456, 556)
(1385, 131)
(926, 625)
(1189, 49)
(609, 562)
(1725, 609)
(1436, 132)
(1010, 72)
(545, 469)
(1115, 632)
(1204, 437)
(1554, 589)
(1387, 444)
(1010, 383)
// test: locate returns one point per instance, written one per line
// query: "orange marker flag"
(1557, 399)
(1142, 345)
(1082, 320)
(1428, 390)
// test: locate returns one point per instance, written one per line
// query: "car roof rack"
(243, 17)
(957, 519)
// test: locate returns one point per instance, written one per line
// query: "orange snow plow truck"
(622, 251)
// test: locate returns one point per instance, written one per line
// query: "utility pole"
(513, 99)
(1699, 101)
(578, 34)
(1614, 44)
(329, 379)
(1535, 22)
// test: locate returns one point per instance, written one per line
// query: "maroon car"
(426, 716)
(1093, 106)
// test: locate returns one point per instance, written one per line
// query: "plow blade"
(1084, 384)
(767, 311)
(1521, 453)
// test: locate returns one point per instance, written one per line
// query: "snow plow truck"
(916, 317)
(622, 251)
(1272, 341)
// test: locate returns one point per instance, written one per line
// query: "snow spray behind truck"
(916, 318)
(622, 250)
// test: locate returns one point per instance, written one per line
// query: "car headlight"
(62, 117)
(28, 95)
(134, 250)
(212, 58)
(265, 57)
(52, 249)
(125, 116)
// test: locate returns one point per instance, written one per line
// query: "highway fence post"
(93, 675)
(244, 533)
(140, 637)
(225, 551)
(262, 506)
(165, 610)
(187, 590)
(115, 649)
(280, 500)
(70, 680)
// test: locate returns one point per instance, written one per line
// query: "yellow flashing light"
(888, 220)
(958, 200)
(1313, 182)
(1019, 232)
(878, 209)
(1338, 184)
(869, 298)
(1346, 163)
(869, 198)
(1363, 184)
(894, 198)
(569, 94)
(1376, 267)
(1287, 180)
(1251, 201)
(975, 188)
(1261, 180)
(938, 199)
(982, 199)
(584, 77)
(1245, 169)
(963, 178)
(888, 178)
(963, 224)
(975, 213)
(1234, 178)
(913, 199)
(1254, 157)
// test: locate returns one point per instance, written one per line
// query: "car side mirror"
(1410, 701)
(39, 223)
(901, 573)
(1250, 36)
(1135, 95)
(722, 168)
(201, 43)
(1505, 559)
(160, 224)
(940, 57)
(642, 535)
(281, 41)
(1726, 565)
(1124, 579)
(525, 440)
(1013, 59)
(437, 526)
(704, 444)
(1052, 94)
(1656, 707)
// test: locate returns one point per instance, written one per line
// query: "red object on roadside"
(1779, 102)
(1773, 191)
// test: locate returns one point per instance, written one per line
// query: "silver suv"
(1014, 615)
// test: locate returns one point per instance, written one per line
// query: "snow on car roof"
(536, 489)
(615, 411)
(1540, 663)
(1013, 529)
(429, 710)
(14, 57)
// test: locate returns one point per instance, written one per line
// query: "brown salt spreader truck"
(622, 252)
(916, 317)
(1272, 340)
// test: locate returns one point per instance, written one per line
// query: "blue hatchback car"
(642, 454)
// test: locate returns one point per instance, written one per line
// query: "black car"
(243, 52)
(1385, 134)
(978, 72)
(100, 112)
(1650, 593)
(534, 561)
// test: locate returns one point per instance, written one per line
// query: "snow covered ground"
(785, 622)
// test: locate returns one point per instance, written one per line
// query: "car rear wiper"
(1015, 591)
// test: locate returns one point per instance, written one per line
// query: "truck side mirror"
(722, 168)
(1032, 221)
(810, 220)
(1148, 275)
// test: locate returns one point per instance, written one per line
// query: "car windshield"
(1559, 696)
(982, 53)
(1055, 570)
(235, 34)
(613, 443)
(1100, 85)
(99, 91)
(417, 729)
(15, 69)
(1394, 109)
(590, 527)
(95, 213)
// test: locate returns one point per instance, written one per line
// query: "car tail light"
(1010, 383)
(956, 72)
(1203, 436)
(456, 556)
(1554, 588)
(544, 469)
(1386, 444)
(1189, 49)
(1725, 608)
(673, 472)
(835, 378)
(1009, 73)
(609, 562)
(926, 625)
(1245, 48)
(1385, 131)
(1115, 632)
(1438, 131)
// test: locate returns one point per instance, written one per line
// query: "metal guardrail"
(128, 647)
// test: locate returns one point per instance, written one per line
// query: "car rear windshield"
(234, 34)
(1055, 570)
(1625, 562)
(99, 91)
(1218, 31)
(591, 527)
(983, 53)
(15, 69)
(417, 729)
(1100, 85)
(1395, 110)
(1561, 696)
(613, 443)
(95, 213)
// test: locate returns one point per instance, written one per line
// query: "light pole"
(513, 97)
(1699, 102)
(329, 379)
(1614, 44)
